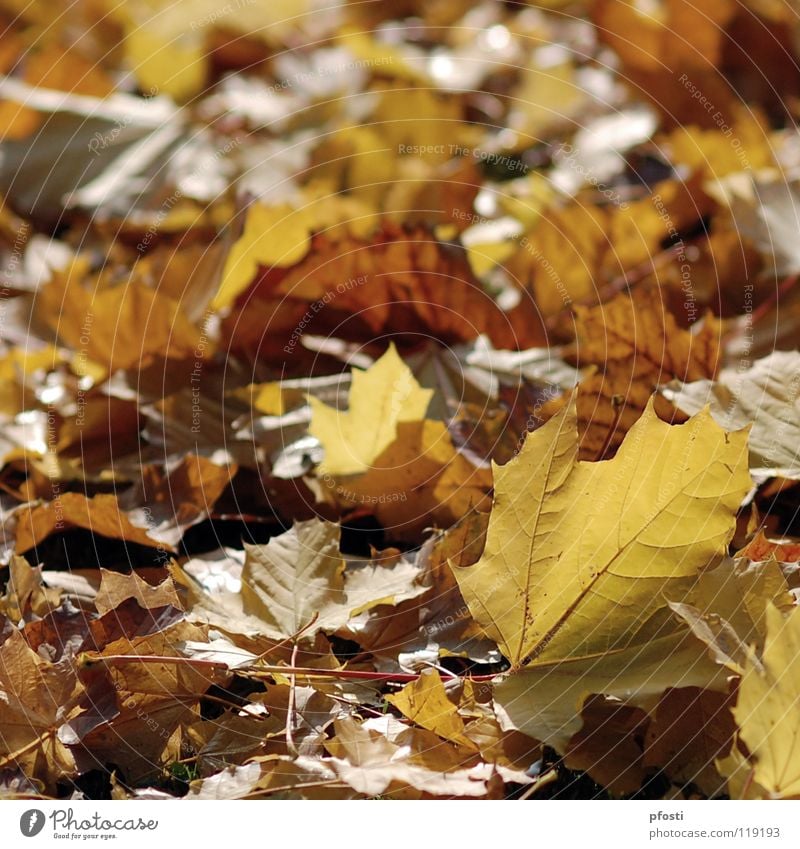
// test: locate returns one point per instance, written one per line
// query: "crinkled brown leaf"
(100, 515)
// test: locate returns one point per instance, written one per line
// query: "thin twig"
(328, 782)
(289, 640)
(542, 781)
(13, 756)
(290, 707)
(264, 671)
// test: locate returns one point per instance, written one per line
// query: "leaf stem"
(266, 670)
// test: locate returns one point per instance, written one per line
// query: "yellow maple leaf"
(380, 398)
(279, 236)
(425, 703)
(577, 554)
(768, 708)
(273, 236)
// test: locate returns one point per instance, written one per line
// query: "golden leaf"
(571, 542)
(579, 557)
(425, 703)
(767, 710)
(380, 398)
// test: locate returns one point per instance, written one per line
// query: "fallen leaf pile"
(399, 400)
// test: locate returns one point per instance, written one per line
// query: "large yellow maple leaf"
(578, 553)
(581, 558)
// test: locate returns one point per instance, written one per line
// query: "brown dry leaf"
(88, 437)
(576, 252)
(37, 698)
(232, 738)
(690, 730)
(116, 588)
(438, 622)
(312, 714)
(154, 699)
(187, 273)
(118, 326)
(171, 501)
(273, 777)
(297, 582)
(506, 749)
(294, 580)
(661, 32)
(24, 591)
(508, 754)
(100, 514)
(233, 782)
(128, 619)
(371, 764)
(609, 746)
(635, 345)
(396, 281)
(661, 46)
(191, 489)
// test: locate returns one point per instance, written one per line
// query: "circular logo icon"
(31, 822)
